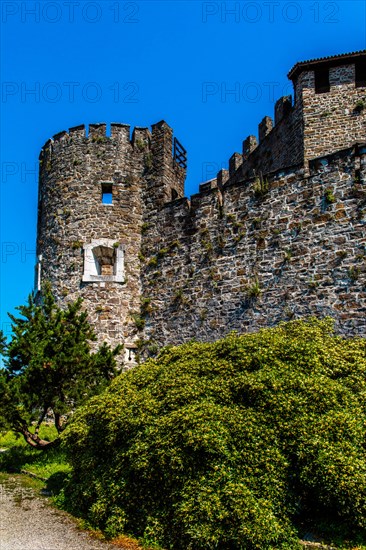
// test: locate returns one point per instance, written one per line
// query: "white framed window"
(103, 262)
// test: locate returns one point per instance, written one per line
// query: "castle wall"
(236, 261)
(279, 235)
(316, 124)
(335, 119)
(280, 145)
(78, 232)
(71, 214)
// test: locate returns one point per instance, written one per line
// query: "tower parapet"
(332, 95)
(328, 113)
(169, 185)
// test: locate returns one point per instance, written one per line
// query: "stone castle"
(279, 235)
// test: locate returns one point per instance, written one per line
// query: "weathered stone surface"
(236, 240)
(278, 236)
(71, 216)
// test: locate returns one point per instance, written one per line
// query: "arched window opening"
(130, 354)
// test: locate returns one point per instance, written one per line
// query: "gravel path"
(28, 522)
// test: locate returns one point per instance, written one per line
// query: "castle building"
(281, 234)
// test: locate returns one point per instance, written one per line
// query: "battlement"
(279, 233)
(157, 154)
(353, 157)
(98, 132)
(278, 146)
(244, 256)
(327, 114)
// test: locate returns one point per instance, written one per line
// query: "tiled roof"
(332, 60)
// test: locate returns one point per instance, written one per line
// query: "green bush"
(230, 445)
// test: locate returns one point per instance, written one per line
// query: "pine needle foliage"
(49, 367)
(230, 445)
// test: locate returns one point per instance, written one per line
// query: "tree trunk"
(59, 427)
(36, 442)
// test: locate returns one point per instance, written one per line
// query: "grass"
(20, 456)
(26, 482)
(332, 533)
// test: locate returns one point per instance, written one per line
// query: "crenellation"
(222, 178)
(279, 235)
(235, 161)
(78, 131)
(120, 132)
(97, 131)
(208, 185)
(141, 138)
(249, 145)
(290, 247)
(59, 136)
(264, 128)
(283, 107)
(44, 151)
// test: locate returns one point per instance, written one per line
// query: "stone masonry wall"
(280, 144)
(335, 119)
(279, 235)
(71, 215)
(317, 124)
(236, 261)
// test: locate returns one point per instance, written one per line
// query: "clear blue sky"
(67, 62)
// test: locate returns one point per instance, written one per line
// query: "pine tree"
(50, 368)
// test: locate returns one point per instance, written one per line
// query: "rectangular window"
(107, 197)
(322, 84)
(360, 73)
(103, 262)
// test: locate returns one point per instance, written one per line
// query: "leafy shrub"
(138, 320)
(228, 445)
(253, 289)
(360, 106)
(354, 273)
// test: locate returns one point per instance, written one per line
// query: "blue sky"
(212, 70)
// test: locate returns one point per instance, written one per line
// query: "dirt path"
(28, 522)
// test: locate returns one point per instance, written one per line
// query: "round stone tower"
(94, 192)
